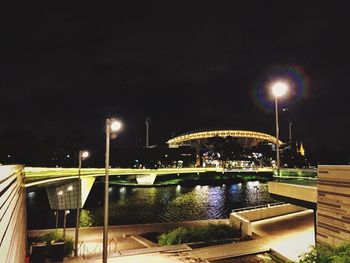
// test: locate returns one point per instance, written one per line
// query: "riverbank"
(289, 235)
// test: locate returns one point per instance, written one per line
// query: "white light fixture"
(279, 88)
(85, 154)
(115, 125)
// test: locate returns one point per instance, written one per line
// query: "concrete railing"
(292, 191)
(243, 219)
(12, 214)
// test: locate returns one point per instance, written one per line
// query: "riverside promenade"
(288, 235)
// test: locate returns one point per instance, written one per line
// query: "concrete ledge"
(146, 179)
(144, 241)
(279, 255)
(292, 191)
(173, 248)
(243, 219)
(242, 254)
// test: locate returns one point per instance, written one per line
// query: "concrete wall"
(146, 179)
(300, 192)
(333, 204)
(243, 219)
(12, 214)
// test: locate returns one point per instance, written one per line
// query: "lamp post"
(279, 88)
(82, 155)
(56, 214)
(60, 193)
(112, 126)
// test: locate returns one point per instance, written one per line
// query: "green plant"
(86, 218)
(326, 254)
(206, 233)
(54, 236)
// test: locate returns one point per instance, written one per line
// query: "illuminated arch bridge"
(245, 138)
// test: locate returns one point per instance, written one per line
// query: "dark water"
(137, 205)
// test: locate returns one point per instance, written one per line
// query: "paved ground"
(289, 235)
(231, 250)
(92, 236)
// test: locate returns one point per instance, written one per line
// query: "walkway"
(289, 235)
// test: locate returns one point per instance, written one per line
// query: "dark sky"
(189, 66)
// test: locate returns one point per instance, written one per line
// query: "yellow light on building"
(302, 150)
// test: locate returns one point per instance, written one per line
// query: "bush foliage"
(207, 233)
(55, 236)
(86, 218)
(326, 254)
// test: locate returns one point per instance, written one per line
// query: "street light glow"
(279, 88)
(85, 154)
(115, 125)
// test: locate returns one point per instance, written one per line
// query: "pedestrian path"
(232, 250)
(289, 235)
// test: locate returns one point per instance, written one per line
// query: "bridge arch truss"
(187, 138)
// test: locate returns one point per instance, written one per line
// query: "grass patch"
(208, 233)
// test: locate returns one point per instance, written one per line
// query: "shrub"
(86, 218)
(206, 233)
(55, 236)
(325, 254)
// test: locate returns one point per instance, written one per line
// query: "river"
(137, 205)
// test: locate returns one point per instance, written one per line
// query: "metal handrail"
(94, 251)
(84, 251)
(81, 250)
(115, 244)
(256, 207)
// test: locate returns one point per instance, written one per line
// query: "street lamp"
(60, 193)
(56, 214)
(82, 155)
(279, 89)
(112, 126)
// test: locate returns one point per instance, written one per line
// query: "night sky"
(189, 66)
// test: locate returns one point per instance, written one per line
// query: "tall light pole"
(147, 131)
(290, 132)
(82, 155)
(279, 88)
(64, 194)
(112, 126)
(56, 214)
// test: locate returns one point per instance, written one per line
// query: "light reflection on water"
(136, 205)
(132, 205)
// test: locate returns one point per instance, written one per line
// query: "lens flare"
(295, 77)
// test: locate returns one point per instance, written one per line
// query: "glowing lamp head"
(279, 89)
(115, 125)
(85, 154)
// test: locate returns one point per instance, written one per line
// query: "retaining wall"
(12, 214)
(333, 204)
(243, 219)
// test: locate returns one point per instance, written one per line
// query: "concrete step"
(147, 243)
(174, 248)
